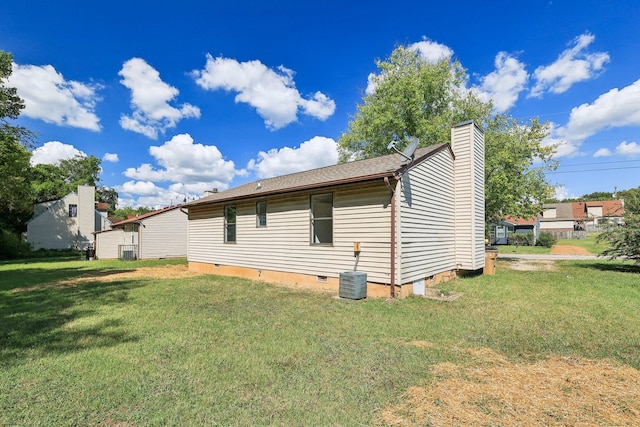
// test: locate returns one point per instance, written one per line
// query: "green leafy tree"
(55, 181)
(47, 183)
(15, 170)
(624, 240)
(414, 98)
(15, 191)
(124, 213)
(109, 196)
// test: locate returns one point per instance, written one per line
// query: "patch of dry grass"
(557, 391)
(160, 272)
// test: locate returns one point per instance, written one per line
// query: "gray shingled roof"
(350, 172)
(564, 211)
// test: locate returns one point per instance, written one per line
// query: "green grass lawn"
(511, 249)
(211, 350)
(590, 244)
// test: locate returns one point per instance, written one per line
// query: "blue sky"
(180, 97)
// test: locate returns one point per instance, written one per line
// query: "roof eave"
(263, 193)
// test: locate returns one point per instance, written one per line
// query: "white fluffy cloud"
(628, 149)
(505, 83)
(272, 92)
(185, 162)
(572, 66)
(563, 193)
(110, 157)
(146, 194)
(613, 109)
(317, 152)
(431, 51)
(616, 108)
(602, 152)
(51, 98)
(150, 97)
(52, 152)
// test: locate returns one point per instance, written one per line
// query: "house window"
(73, 211)
(322, 219)
(261, 214)
(229, 224)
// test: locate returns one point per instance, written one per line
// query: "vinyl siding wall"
(107, 243)
(53, 228)
(467, 142)
(557, 225)
(361, 213)
(427, 245)
(163, 235)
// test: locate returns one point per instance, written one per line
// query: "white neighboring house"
(405, 223)
(154, 235)
(67, 223)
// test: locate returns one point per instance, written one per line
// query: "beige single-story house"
(154, 235)
(406, 222)
(69, 222)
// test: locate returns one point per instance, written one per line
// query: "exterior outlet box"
(353, 285)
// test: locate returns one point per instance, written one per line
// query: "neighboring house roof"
(564, 211)
(578, 211)
(139, 218)
(343, 173)
(102, 207)
(520, 221)
(609, 208)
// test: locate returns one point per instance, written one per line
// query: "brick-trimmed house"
(68, 222)
(406, 223)
(158, 234)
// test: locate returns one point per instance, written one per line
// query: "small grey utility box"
(353, 285)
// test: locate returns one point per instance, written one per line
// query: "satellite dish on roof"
(411, 148)
(408, 151)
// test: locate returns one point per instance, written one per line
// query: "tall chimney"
(467, 143)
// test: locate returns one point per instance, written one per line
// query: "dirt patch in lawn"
(164, 272)
(568, 250)
(491, 390)
(532, 265)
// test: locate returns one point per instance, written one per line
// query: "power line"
(594, 170)
(597, 163)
